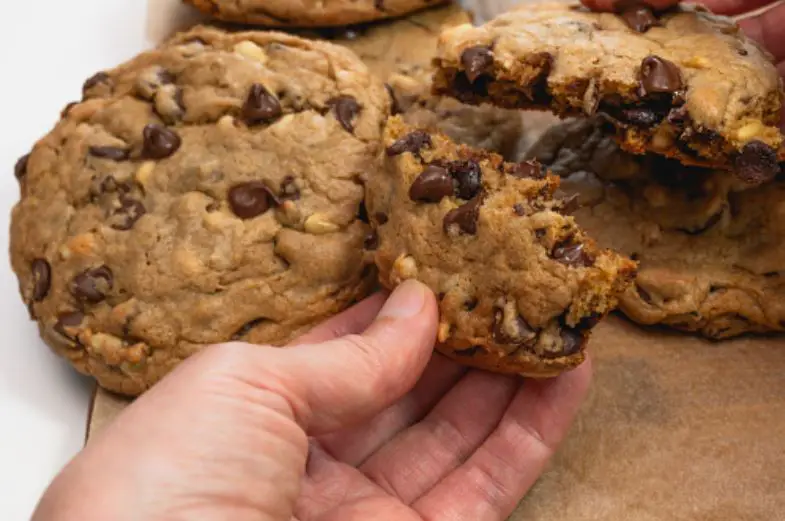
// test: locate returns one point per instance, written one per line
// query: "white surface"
(47, 49)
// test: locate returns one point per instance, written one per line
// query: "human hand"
(765, 27)
(356, 421)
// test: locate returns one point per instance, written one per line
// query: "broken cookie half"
(519, 284)
(683, 83)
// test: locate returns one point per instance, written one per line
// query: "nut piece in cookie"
(681, 83)
(520, 285)
(711, 249)
(203, 192)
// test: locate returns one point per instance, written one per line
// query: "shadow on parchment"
(165, 18)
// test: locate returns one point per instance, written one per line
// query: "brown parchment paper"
(675, 428)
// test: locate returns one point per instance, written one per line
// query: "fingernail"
(406, 301)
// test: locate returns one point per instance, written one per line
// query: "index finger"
(614, 5)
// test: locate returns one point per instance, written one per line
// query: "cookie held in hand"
(520, 285)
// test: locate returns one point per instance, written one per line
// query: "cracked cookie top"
(302, 13)
(205, 191)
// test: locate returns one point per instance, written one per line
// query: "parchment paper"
(675, 428)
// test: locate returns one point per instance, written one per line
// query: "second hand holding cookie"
(355, 421)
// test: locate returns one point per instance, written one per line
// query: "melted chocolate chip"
(20, 168)
(249, 200)
(246, 328)
(381, 218)
(500, 336)
(757, 163)
(92, 286)
(527, 170)
(345, 109)
(637, 15)
(468, 177)
(371, 241)
(260, 106)
(519, 209)
(658, 75)
(465, 217)
(477, 61)
(572, 342)
(94, 80)
(42, 279)
(412, 142)
(113, 153)
(159, 142)
(129, 212)
(432, 185)
(67, 321)
(572, 254)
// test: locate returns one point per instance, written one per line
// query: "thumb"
(347, 380)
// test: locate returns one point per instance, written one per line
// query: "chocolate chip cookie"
(519, 285)
(682, 83)
(712, 256)
(207, 191)
(304, 13)
(400, 52)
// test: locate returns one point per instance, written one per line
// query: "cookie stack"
(246, 185)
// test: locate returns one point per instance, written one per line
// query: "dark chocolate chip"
(527, 169)
(129, 212)
(249, 200)
(465, 217)
(92, 286)
(471, 304)
(289, 190)
(659, 76)
(246, 328)
(572, 342)
(20, 168)
(572, 254)
(260, 106)
(500, 336)
(757, 163)
(68, 321)
(637, 15)
(468, 176)
(345, 109)
(432, 185)
(468, 352)
(395, 106)
(590, 322)
(640, 117)
(519, 209)
(159, 142)
(371, 241)
(412, 142)
(42, 279)
(381, 218)
(477, 61)
(94, 80)
(113, 153)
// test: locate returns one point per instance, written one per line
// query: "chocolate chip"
(757, 163)
(260, 106)
(468, 352)
(395, 106)
(246, 328)
(371, 241)
(640, 117)
(465, 217)
(412, 142)
(432, 185)
(500, 336)
(42, 279)
(527, 170)
(20, 168)
(129, 212)
(249, 200)
(113, 153)
(94, 80)
(519, 209)
(468, 176)
(67, 321)
(572, 342)
(572, 254)
(477, 61)
(381, 218)
(159, 142)
(92, 286)
(637, 15)
(362, 213)
(345, 109)
(289, 190)
(659, 76)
